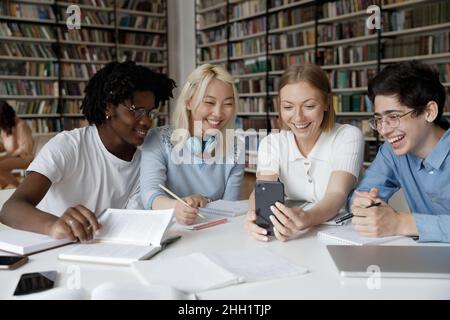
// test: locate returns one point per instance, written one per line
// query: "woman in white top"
(316, 159)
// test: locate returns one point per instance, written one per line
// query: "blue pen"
(350, 215)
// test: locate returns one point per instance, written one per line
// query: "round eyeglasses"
(140, 112)
(391, 120)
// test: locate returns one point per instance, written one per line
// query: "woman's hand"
(253, 229)
(76, 223)
(288, 221)
(187, 215)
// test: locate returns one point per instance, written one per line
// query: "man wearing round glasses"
(409, 102)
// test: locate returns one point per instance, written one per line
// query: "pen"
(178, 198)
(350, 215)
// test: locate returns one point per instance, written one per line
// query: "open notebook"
(348, 235)
(198, 272)
(126, 236)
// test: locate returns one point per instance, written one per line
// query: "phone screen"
(35, 282)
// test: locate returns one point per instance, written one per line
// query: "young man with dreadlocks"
(81, 172)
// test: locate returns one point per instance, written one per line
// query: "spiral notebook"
(348, 235)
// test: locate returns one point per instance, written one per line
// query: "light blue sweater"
(193, 176)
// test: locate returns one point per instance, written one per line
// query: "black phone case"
(266, 194)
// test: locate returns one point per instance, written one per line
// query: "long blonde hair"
(197, 82)
(316, 77)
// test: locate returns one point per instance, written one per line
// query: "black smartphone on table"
(266, 194)
(35, 282)
(12, 262)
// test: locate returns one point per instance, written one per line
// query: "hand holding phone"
(12, 262)
(266, 194)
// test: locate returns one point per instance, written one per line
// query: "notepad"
(24, 242)
(207, 222)
(348, 235)
(199, 271)
(226, 208)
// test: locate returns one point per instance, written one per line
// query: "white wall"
(181, 22)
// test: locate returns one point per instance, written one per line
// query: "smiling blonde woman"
(187, 157)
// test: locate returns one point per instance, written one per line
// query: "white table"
(322, 281)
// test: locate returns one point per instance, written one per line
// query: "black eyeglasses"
(140, 112)
(391, 120)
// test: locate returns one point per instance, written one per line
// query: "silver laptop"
(392, 261)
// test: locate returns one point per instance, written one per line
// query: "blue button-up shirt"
(424, 182)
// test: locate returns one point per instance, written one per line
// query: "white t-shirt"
(83, 171)
(306, 178)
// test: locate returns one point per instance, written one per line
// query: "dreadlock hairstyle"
(116, 82)
(7, 117)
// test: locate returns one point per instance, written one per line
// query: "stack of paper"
(198, 272)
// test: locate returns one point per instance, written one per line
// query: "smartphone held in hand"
(266, 194)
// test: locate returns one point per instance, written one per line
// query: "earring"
(107, 117)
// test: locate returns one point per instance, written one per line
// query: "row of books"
(95, 3)
(154, 6)
(89, 17)
(85, 34)
(209, 3)
(29, 11)
(438, 42)
(73, 88)
(214, 52)
(82, 52)
(251, 85)
(252, 104)
(444, 71)
(343, 30)
(350, 78)
(212, 17)
(286, 18)
(337, 8)
(36, 107)
(212, 35)
(247, 8)
(419, 16)
(12, 29)
(256, 65)
(143, 39)
(29, 88)
(17, 49)
(71, 106)
(142, 22)
(249, 46)
(352, 103)
(24, 68)
(292, 39)
(143, 56)
(247, 27)
(255, 123)
(350, 54)
(44, 125)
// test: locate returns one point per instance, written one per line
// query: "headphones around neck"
(196, 146)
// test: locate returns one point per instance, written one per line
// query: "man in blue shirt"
(409, 102)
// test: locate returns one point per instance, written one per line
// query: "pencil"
(178, 198)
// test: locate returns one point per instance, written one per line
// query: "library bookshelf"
(45, 65)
